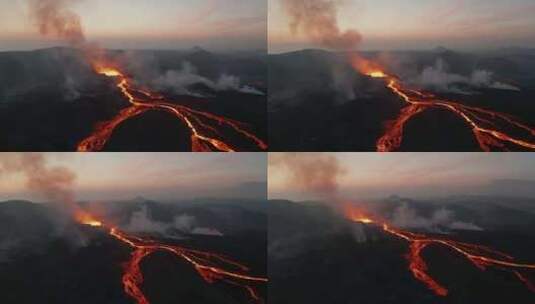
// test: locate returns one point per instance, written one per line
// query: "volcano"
(89, 260)
(379, 263)
(438, 100)
(61, 99)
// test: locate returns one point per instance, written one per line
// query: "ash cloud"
(441, 219)
(316, 173)
(52, 183)
(55, 18)
(317, 19)
(438, 78)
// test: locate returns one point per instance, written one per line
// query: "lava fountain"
(492, 130)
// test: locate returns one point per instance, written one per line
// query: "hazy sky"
(138, 24)
(415, 24)
(166, 176)
(378, 175)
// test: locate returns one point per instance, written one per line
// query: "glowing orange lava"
(491, 129)
(358, 216)
(203, 126)
(110, 72)
(87, 219)
(211, 267)
(377, 74)
(480, 256)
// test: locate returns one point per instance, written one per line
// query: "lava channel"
(482, 257)
(492, 130)
(210, 266)
(203, 126)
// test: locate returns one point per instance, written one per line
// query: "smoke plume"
(55, 18)
(52, 183)
(317, 19)
(314, 172)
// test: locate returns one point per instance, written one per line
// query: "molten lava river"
(210, 266)
(205, 136)
(480, 256)
(492, 130)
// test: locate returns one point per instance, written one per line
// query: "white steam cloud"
(441, 219)
(183, 81)
(437, 78)
(140, 221)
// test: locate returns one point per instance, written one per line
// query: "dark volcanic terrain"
(46, 258)
(317, 256)
(318, 102)
(52, 99)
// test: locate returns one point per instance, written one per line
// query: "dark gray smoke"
(317, 19)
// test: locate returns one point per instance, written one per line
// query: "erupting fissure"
(480, 256)
(211, 267)
(492, 130)
(203, 126)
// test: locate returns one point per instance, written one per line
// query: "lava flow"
(490, 128)
(203, 126)
(480, 256)
(211, 267)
